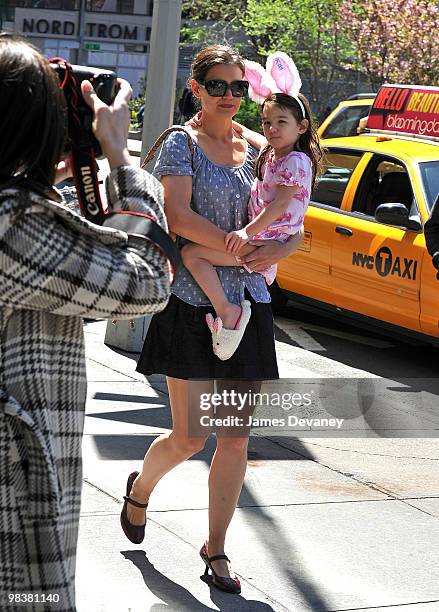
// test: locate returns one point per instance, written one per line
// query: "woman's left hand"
(64, 170)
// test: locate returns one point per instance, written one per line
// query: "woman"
(55, 268)
(206, 196)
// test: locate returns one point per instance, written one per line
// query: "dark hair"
(33, 114)
(213, 56)
(308, 142)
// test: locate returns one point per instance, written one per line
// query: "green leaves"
(250, 115)
(223, 17)
(309, 31)
(331, 41)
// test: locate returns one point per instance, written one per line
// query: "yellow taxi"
(344, 119)
(364, 252)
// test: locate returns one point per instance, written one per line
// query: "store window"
(127, 7)
(61, 5)
(110, 6)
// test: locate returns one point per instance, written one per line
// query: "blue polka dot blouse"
(221, 194)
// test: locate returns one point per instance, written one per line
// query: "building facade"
(112, 34)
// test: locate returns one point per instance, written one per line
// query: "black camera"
(81, 142)
(80, 116)
(84, 149)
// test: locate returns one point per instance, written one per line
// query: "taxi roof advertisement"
(406, 109)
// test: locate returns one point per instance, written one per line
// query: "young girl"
(285, 172)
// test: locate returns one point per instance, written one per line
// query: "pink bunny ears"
(280, 75)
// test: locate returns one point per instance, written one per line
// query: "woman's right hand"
(111, 123)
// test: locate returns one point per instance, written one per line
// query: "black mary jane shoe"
(135, 533)
(225, 583)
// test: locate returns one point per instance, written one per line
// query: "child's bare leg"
(199, 260)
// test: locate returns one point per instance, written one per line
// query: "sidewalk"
(322, 524)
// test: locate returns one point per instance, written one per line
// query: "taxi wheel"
(278, 299)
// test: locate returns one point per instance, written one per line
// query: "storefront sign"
(44, 26)
(97, 26)
(406, 109)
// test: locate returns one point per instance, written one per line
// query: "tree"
(224, 17)
(395, 40)
(308, 30)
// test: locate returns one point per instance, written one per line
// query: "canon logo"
(89, 190)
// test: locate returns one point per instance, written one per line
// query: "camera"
(81, 142)
(80, 115)
(84, 149)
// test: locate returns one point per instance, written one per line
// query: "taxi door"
(376, 268)
(308, 271)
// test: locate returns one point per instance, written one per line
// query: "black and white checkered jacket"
(56, 267)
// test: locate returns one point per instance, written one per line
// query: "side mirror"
(394, 213)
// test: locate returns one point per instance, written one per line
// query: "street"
(339, 348)
(323, 523)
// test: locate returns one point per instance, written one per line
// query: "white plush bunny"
(280, 75)
(226, 341)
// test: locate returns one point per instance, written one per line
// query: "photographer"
(55, 268)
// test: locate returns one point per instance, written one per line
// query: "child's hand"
(235, 240)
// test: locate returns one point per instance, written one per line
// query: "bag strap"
(140, 225)
(161, 138)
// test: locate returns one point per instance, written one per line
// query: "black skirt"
(179, 345)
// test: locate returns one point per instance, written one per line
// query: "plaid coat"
(56, 267)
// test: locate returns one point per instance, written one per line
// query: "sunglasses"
(218, 88)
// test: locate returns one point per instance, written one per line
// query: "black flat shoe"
(225, 583)
(135, 533)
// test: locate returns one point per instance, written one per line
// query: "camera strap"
(82, 145)
(85, 176)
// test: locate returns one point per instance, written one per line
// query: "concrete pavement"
(323, 524)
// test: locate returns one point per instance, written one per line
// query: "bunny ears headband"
(280, 75)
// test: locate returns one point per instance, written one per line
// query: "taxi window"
(345, 122)
(336, 172)
(430, 178)
(385, 180)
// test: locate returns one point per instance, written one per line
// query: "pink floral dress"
(292, 170)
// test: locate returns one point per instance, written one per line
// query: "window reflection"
(111, 6)
(105, 6)
(337, 170)
(63, 5)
